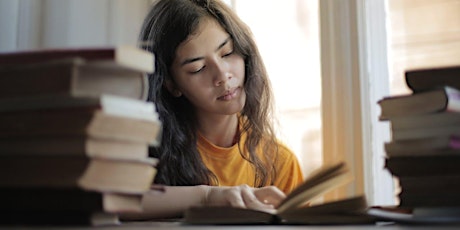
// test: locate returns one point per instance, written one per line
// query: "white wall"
(28, 24)
(8, 22)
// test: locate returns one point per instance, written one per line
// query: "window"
(351, 74)
(424, 34)
(287, 35)
(338, 125)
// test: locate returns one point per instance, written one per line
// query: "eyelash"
(195, 72)
(228, 54)
(223, 56)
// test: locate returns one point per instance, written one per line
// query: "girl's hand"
(243, 196)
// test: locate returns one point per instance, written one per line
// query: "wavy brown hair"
(167, 25)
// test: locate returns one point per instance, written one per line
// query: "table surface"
(179, 226)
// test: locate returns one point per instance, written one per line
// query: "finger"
(270, 195)
(252, 202)
(234, 197)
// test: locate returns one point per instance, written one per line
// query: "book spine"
(28, 81)
(423, 165)
(57, 218)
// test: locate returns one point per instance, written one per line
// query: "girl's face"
(208, 72)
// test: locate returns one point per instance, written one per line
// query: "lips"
(229, 94)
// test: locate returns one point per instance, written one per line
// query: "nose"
(221, 73)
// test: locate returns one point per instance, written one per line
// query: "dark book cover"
(425, 79)
(423, 165)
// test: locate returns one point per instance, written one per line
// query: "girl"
(213, 97)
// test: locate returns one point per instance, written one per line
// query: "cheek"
(239, 68)
(195, 88)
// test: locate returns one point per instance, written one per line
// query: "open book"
(295, 208)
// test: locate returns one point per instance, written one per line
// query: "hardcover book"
(94, 174)
(427, 78)
(431, 101)
(71, 77)
(90, 121)
(73, 146)
(126, 56)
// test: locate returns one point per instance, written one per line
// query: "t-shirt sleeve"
(289, 172)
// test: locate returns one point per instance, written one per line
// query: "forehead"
(208, 35)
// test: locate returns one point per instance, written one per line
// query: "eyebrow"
(187, 61)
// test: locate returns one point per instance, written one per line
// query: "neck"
(220, 131)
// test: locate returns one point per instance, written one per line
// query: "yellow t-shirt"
(231, 169)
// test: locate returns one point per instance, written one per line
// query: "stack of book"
(75, 128)
(424, 151)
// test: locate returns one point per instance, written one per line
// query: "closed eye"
(227, 54)
(197, 71)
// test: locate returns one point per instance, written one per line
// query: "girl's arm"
(172, 201)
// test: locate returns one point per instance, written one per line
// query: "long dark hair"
(168, 24)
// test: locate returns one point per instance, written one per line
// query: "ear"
(172, 88)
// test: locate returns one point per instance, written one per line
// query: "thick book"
(430, 184)
(68, 200)
(94, 174)
(14, 218)
(423, 191)
(73, 77)
(73, 146)
(411, 200)
(126, 56)
(427, 78)
(423, 165)
(92, 121)
(109, 104)
(438, 145)
(432, 120)
(294, 209)
(432, 101)
(425, 132)
(417, 215)
(428, 190)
